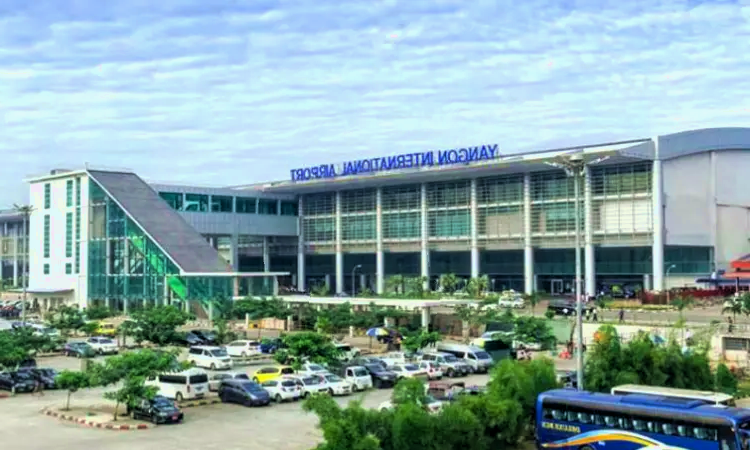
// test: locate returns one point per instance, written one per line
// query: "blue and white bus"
(570, 419)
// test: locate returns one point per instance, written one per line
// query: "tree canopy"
(158, 324)
(307, 346)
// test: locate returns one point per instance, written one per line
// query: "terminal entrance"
(556, 287)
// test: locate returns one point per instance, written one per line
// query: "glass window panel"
(196, 202)
(500, 189)
(268, 206)
(401, 198)
(289, 208)
(246, 205)
(47, 196)
(69, 193)
(222, 203)
(451, 223)
(359, 200)
(46, 235)
(447, 194)
(69, 235)
(319, 204)
(320, 229)
(174, 199)
(357, 228)
(401, 225)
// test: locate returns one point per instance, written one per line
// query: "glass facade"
(69, 193)
(222, 203)
(246, 205)
(268, 206)
(69, 235)
(47, 195)
(46, 243)
(196, 202)
(174, 199)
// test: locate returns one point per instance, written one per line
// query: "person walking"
(38, 388)
(595, 315)
(622, 315)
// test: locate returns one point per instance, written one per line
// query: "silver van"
(477, 359)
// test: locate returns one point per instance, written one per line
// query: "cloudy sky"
(227, 92)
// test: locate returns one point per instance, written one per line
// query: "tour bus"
(569, 419)
(713, 398)
(189, 384)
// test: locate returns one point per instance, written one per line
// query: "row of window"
(662, 426)
(229, 204)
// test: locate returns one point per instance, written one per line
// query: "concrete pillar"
(351, 331)
(328, 281)
(275, 291)
(289, 323)
(426, 317)
(211, 311)
(474, 230)
(234, 249)
(16, 240)
(125, 305)
(362, 282)
(236, 287)
(528, 250)
(379, 256)
(657, 196)
(266, 255)
(647, 282)
(339, 247)
(425, 259)
(301, 247)
(589, 255)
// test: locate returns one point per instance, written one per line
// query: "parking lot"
(218, 426)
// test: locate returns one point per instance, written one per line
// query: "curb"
(90, 424)
(211, 401)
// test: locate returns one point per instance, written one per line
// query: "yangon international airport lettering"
(561, 427)
(398, 162)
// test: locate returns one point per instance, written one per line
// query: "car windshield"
(252, 387)
(333, 378)
(375, 367)
(48, 372)
(450, 358)
(163, 402)
(360, 373)
(315, 368)
(241, 376)
(23, 375)
(482, 355)
(288, 383)
(395, 369)
(287, 371)
(219, 352)
(221, 376)
(310, 380)
(106, 341)
(411, 367)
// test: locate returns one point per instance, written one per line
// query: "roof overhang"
(616, 153)
(233, 274)
(44, 291)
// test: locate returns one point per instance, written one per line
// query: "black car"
(44, 376)
(157, 410)
(190, 339)
(243, 392)
(79, 350)
(381, 378)
(208, 336)
(566, 307)
(365, 360)
(17, 381)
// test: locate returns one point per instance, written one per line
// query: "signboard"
(398, 162)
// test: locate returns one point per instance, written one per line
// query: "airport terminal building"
(654, 213)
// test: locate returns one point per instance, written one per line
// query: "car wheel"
(355, 388)
(330, 392)
(278, 398)
(155, 420)
(306, 394)
(212, 366)
(178, 397)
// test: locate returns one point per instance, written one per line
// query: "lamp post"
(574, 166)
(667, 276)
(26, 211)
(354, 285)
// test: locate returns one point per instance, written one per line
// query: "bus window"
(610, 421)
(668, 429)
(584, 418)
(639, 425)
(558, 415)
(624, 423)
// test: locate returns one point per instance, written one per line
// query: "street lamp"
(354, 285)
(25, 211)
(574, 166)
(667, 276)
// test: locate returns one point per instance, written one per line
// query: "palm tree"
(733, 306)
(684, 302)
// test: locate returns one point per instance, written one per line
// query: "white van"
(347, 351)
(189, 384)
(209, 357)
(479, 360)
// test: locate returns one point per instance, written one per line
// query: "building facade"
(13, 254)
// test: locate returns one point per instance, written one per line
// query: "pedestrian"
(622, 315)
(38, 388)
(595, 314)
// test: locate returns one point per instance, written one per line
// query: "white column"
(425, 317)
(589, 256)
(379, 256)
(657, 196)
(16, 240)
(339, 247)
(234, 251)
(266, 255)
(300, 248)
(425, 260)
(528, 250)
(362, 282)
(474, 230)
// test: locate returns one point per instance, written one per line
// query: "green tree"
(532, 300)
(725, 382)
(534, 330)
(223, 334)
(159, 324)
(409, 391)
(477, 287)
(395, 284)
(418, 340)
(476, 315)
(733, 306)
(415, 287)
(449, 283)
(350, 428)
(67, 319)
(12, 351)
(98, 312)
(335, 319)
(683, 302)
(307, 346)
(72, 381)
(131, 391)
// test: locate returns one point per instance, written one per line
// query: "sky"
(228, 92)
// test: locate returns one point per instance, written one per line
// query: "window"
(402, 225)
(47, 196)
(46, 235)
(196, 202)
(246, 205)
(222, 203)
(69, 193)
(78, 191)
(289, 208)
(268, 206)
(451, 223)
(174, 199)
(78, 258)
(46, 269)
(68, 268)
(69, 235)
(78, 224)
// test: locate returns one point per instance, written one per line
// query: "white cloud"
(231, 92)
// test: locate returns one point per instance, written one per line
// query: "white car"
(359, 378)
(313, 369)
(393, 358)
(309, 385)
(407, 371)
(335, 385)
(434, 372)
(242, 348)
(103, 345)
(283, 389)
(215, 380)
(209, 357)
(511, 299)
(433, 405)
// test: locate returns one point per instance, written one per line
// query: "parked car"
(347, 352)
(431, 404)
(450, 365)
(566, 307)
(79, 350)
(103, 345)
(189, 339)
(266, 373)
(242, 348)
(106, 328)
(310, 385)
(335, 385)
(244, 393)
(17, 381)
(357, 376)
(433, 370)
(407, 371)
(510, 299)
(157, 410)
(214, 381)
(313, 369)
(45, 376)
(186, 385)
(381, 377)
(209, 357)
(477, 359)
(208, 336)
(270, 346)
(365, 360)
(283, 389)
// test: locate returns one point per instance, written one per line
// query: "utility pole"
(26, 211)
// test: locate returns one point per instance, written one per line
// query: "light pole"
(26, 211)
(667, 277)
(574, 166)
(354, 285)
